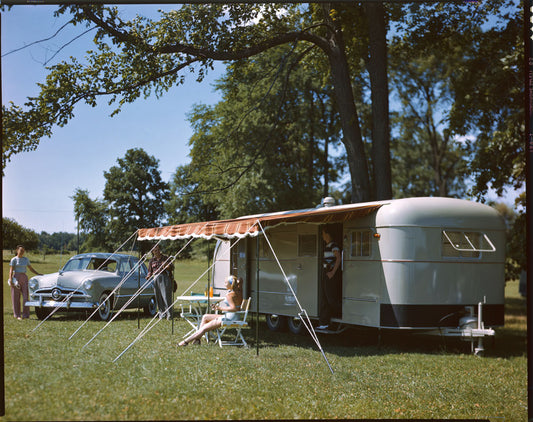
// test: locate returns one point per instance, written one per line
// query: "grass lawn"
(49, 377)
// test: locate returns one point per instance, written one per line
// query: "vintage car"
(87, 280)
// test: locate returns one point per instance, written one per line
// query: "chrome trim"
(274, 293)
(48, 296)
(360, 299)
(54, 304)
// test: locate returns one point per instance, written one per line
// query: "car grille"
(59, 293)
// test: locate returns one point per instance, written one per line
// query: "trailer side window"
(360, 243)
(465, 244)
(307, 245)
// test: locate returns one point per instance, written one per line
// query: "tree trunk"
(352, 139)
(377, 68)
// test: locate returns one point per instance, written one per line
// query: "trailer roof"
(251, 225)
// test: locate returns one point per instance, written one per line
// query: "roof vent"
(328, 201)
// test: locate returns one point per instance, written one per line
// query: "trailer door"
(362, 277)
(307, 263)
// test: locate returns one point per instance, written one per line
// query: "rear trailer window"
(465, 244)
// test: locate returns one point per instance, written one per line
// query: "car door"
(130, 281)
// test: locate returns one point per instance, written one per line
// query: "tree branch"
(205, 53)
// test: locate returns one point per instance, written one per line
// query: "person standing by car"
(161, 269)
(18, 281)
(331, 281)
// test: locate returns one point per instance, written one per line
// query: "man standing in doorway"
(162, 270)
(331, 281)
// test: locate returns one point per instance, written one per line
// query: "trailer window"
(465, 244)
(360, 245)
(307, 245)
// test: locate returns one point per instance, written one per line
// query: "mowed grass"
(49, 377)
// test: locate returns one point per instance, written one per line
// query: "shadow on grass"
(362, 341)
(515, 307)
(365, 341)
(83, 315)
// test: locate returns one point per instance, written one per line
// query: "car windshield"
(89, 263)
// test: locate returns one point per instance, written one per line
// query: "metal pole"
(528, 15)
(78, 230)
(138, 288)
(208, 278)
(257, 297)
(172, 308)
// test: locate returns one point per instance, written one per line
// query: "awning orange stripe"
(248, 226)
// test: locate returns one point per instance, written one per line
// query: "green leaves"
(135, 192)
(134, 197)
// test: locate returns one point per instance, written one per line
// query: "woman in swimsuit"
(230, 305)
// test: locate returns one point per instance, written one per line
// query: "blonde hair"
(236, 284)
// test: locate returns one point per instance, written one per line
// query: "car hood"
(72, 279)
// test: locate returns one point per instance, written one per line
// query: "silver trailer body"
(419, 263)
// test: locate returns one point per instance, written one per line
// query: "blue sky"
(38, 185)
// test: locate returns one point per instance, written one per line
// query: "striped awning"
(251, 225)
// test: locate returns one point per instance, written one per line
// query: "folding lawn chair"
(237, 325)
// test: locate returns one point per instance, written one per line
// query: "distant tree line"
(14, 234)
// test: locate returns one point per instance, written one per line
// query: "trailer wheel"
(276, 322)
(296, 325)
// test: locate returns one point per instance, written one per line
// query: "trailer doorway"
(336, 233)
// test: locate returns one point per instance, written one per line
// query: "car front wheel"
(42, 313)
(104, 309)
(151, 308)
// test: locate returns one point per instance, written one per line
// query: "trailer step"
(337, 328)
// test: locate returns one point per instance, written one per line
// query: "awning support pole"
(152, 324)
(303, 313)
(257, 297)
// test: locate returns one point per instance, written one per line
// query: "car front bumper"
(61, 304)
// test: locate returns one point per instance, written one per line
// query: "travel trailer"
(434, 265)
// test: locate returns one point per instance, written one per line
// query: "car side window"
(144, 270)
(125, 266)
(99, 264)
(111, 266)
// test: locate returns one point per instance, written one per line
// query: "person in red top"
(161, 269)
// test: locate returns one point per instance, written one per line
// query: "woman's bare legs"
(209, 322)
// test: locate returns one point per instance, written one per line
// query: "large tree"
(266, 138)
(143, 57)
(140, 57)
(428, 156)
(135, 193)
(482, 54)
